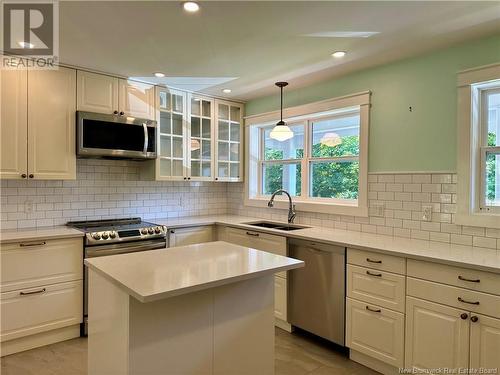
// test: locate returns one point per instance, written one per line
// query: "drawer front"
(40, 309)
(378, 287)
(466, 278)
(257, 240)
(376, 261)
(460, 298)
(375, 331)
(36, 263)
(280, 293)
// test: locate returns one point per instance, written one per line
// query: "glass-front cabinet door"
(200, 138)
(228, 150)
(172, 107)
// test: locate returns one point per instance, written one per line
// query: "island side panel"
(173, 335)
(244, 327)
(108, 344)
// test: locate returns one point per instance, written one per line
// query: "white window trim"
(469, 156)
(294, 114)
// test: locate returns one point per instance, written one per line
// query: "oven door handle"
(120, 248)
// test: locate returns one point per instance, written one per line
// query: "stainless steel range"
(117, 236)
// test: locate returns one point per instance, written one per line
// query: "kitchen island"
(198, 309)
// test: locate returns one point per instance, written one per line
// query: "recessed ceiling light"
(226, 91)
(338, 54)
(26, 45)
(159, 74)
(191, 6)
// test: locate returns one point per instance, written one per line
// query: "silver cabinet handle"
(469, 280)
(373, 261)
(33, 244)
(468, 302)
(33, 292)
(373, 310)
(373, 274)
(253, 234)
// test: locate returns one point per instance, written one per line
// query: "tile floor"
(296, 354)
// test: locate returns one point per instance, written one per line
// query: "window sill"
(309, 206)
(479, 220)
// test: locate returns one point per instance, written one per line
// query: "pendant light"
(281, 132)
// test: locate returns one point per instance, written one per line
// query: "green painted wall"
(400, 140)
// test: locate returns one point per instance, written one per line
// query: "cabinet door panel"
(13, 136)
(97, 92)
(51, 124)
(375, 331)
(190, 236)
(485, 343)
(280, 295)
(137, 99)
(436, 336)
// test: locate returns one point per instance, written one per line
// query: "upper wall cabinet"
(229, 133)
(200, 138)
(38, 124)
(97, 93)
(14, 123)
(105, 94)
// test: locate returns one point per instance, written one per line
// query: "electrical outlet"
(28, 206)
(426, 213)
(378, 210)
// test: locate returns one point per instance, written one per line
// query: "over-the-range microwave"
(114, 136)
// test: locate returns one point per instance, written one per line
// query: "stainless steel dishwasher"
(316, 299)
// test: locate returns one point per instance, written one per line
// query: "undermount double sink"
(276, 225)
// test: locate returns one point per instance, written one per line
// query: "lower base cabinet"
(484, 342)
(375, 331)
(280, 298)
(190, 235)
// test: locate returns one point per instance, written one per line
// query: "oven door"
(111, 136)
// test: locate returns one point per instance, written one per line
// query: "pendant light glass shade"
(281, 132)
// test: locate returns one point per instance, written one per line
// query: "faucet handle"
(270, 203)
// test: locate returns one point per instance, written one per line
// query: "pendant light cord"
(281, 104)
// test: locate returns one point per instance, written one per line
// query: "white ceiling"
(248, 45)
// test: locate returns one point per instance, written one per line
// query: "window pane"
(292, 148)
(493, 111)
(336, 137)
(334, 180)
(281, 176)
(492, 193)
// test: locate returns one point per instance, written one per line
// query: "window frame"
(472, 147)
(306, 115)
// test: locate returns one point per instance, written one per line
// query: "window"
(478, 200)
(323, 166)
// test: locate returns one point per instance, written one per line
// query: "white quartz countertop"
(458, 255)
(41, 233)
(158, 274)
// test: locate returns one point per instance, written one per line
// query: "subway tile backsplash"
(113, 188)
(105, 189)
(403, 196)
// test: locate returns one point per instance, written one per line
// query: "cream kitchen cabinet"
(190, 235)
(14, 123)
(200, 138)
(437, 336)
(484, 342)
(111, 95)
(273, 244)
(41, 299)
(97, 92)
(229, 141)
(42, 144)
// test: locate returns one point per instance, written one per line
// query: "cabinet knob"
(31, 175)
(216, 179)
(115, 112)
(474, 319)
(189, 178)
(23, 175)
(185, 178)
(464, 316)
(122, 113)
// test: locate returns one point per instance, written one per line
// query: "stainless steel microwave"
(113, 136)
